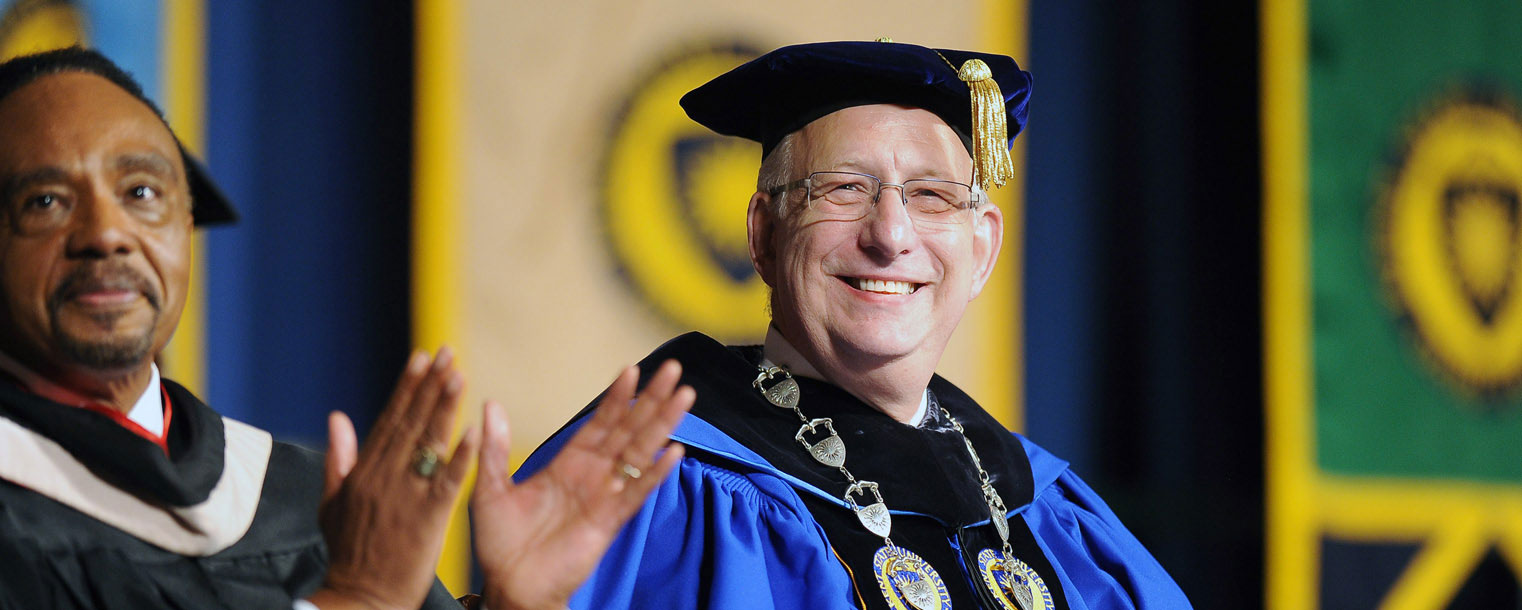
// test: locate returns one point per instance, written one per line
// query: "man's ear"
(760, 227)
(987, 239)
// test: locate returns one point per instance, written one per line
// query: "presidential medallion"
(1013, 583)
(907, 582)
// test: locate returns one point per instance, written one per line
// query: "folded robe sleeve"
(1101, 564)
(709, 537)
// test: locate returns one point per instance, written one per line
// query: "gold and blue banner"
(570, 218)
(1393, 302)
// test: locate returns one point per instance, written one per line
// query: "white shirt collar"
(777, 350)
(147, 412)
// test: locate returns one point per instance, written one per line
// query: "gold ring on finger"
(425, 461)
(629, 471)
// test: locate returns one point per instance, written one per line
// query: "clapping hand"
(385, 508)
(539, 539)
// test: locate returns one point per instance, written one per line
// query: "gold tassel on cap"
(990, 140)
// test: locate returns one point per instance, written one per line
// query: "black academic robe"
(129, 527)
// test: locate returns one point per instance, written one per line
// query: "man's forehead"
(867, 129)
(76, 114)
(78, 101)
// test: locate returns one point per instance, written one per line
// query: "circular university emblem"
(907, 582)
(674, 197)
(1013, 583)
(1450, 240)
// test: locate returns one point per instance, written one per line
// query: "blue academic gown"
(729, 529)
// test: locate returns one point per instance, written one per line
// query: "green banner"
(1415, 172)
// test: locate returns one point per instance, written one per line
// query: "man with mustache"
(119, 489)
(831, 467)
(90, 281)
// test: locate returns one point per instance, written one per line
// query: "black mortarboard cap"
(208, 205)
(982, 96)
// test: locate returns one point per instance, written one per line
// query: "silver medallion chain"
(996, 508)
(829, 451)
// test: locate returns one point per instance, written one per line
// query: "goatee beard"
(111, 354)
(105, 355)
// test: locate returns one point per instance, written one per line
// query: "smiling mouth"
(105, 298)
(103, 287)
(882, 286)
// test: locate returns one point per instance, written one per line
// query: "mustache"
(100, 277)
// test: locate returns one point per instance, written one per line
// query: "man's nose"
(888, 230)
(882, 190)
(100, 226)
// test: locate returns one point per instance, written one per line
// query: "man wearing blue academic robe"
(831, 467)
